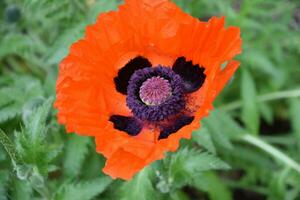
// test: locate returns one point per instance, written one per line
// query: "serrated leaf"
(14, 43)
(230, 127)
(31, 143)
(84, 190)
(10, 148)
(217, 130)
(76, 150)
(99, 7)
(140, 187)
(203, 161)
(203, 138)
(5, 99)
(186, 163)
(36, 126)
(14, 96)
(10, 112)
(178, 172)
(29, 108)
(250, 111)
(61, 46)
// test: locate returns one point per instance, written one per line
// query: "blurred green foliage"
(248, 148)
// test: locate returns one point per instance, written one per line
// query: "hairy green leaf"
(10, 148)
(140, 187)
(186, 163)
(203, 138)
(31, 142)
(36, 126)
(217, 130)
(84, 190)
(76, 151)
(22, 90)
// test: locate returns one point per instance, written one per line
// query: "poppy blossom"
(142, 78)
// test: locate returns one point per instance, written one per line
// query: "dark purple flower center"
(155, 94)
(154, 91)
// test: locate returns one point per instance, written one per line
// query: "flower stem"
(277, 154)
(265, 97)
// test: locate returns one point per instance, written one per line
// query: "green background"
(248, 148)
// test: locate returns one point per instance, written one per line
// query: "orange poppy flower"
(142, 78)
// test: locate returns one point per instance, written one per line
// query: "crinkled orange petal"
(161, 32)
(123, 164)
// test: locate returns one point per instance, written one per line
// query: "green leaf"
(250, 112)
(230, 127)
(217, 190)
(36, 126)
(9, 112)
(99, 7)
(266, 112)
(140, 187)
(182, 4)
(31, 143)
(10, 148)
(21, 91)
(244, 156)
(84, 190)
(4, 177)
(202, 161)
(186, 163)
(76, 151)
(217, 130)
(273, 151)
(179, 195)
(203, 138)
(295, 116)
(14, 43)
(278, 187)
(62, 44)
(2, 154)
(22, 190)
(260, 61)
(95, 162)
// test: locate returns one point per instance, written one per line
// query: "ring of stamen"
(155, 94)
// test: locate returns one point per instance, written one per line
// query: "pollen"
(155, 91)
